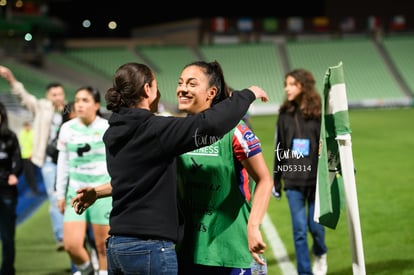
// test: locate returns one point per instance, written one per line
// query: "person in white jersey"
(82, 163)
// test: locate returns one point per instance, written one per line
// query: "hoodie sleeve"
(17, 166)
(62, 170)
(192, 132)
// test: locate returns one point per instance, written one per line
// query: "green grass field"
(383, 150)
(383, 146)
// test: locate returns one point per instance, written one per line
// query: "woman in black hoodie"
(141, 152)
(296, 163)
(10, 170)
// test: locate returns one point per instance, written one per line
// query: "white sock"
(85, 268)
(103, 272)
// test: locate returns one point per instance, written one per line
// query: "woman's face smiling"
(193, 92)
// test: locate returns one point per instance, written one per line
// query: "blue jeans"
(49, 179)
(7, 234)
(128, 255)
(302, 219)
(197, 269)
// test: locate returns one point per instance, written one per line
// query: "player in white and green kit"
(81, 163)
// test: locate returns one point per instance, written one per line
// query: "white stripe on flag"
(337, 99)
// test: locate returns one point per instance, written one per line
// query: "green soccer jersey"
(214, 191)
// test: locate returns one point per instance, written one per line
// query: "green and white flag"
(336, 172)
(329, 199)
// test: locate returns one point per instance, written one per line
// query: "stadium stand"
(371, 80)
(400, 49)
(248, 64)
(104, 60)
(31, 77)
(368, 79)
(167, 62)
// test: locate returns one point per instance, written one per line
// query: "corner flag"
(329, 198)
(336, 172)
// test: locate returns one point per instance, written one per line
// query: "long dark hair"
(128, 86)
(96, 95)
(215, 74)
(309, 101)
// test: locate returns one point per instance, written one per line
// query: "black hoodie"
(10, 163)
(141, 149)
(300, 170)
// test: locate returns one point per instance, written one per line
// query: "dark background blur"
(147, 12)
(133, 14)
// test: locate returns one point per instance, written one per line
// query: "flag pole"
(354, 225)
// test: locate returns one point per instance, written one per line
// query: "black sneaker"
(59, 246)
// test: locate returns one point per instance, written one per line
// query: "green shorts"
(98, 213)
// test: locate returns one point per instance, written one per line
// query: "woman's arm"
(207, 127)
(62, 168)
(17, 88)
(257, 169)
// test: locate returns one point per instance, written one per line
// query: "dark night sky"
(130, 13)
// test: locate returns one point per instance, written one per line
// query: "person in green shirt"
(224, 188)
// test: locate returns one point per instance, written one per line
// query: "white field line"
(279, 250)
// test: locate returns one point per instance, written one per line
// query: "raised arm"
(207, 127)
(17, 88)
(7, 74)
